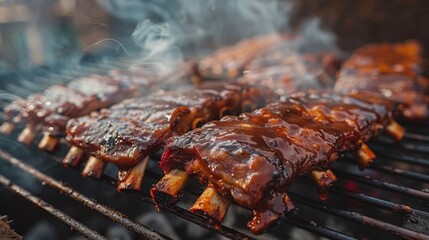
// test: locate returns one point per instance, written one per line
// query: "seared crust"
(229, 62)
(254, 158)
(284, 70)
(127, 132)
(392, 70)
(52, 108)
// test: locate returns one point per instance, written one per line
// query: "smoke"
(167, 31)
(158, 45)
(315, 39)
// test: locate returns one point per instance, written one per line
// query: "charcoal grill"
(389, 199)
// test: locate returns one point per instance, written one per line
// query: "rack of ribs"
(48, 112)
(252, 159)
(392, 70)
(229, 62)
(127, 133)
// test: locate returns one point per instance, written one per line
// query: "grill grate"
(71, 222)
(399, 171)
(114, 215)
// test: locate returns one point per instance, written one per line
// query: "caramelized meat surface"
(229, 62)
(392, 70)
(367, 113)
(253, 158)
(284, 70)
(57, 104)
(129, 131)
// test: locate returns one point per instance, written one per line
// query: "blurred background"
(36, 32)
(45, 32)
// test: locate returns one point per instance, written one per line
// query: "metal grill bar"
(416, 136)
(66, 219)
(297, 222)
(400, 156)
(377, 202)
(400, 172)
(359, 218)
(316, 229)
(223, 230)
(398, 208)
(407, 147)
(183, 213)
(114, 215)
(416, 129)
(311, 227)
(383, 185)
(387, 205)
(178, 211)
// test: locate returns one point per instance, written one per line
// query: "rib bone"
(134, 177)
(94, 167)
(73, 157)
(366, 156)
(27, 135)
(395, 130)
(7, 128)
(166, 191)
(212, 205)
(323, 179)
(48, 143)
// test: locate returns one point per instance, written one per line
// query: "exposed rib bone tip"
(166, 191)
(288, 203)
(323, 179)
(212, 204)
(7, 128)
(366, 156)
(395, 130)
(134, 178)
(48, 143)
(94, 167)
(73, 157)
(27, 135)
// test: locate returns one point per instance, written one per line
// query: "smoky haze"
(166, 31)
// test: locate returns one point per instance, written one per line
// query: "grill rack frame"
(96, 66)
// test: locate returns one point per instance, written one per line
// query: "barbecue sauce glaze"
(254, 158)
(128, 132)
(392, 70)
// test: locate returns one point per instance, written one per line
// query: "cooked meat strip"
(50, 110)
(286, 70)
(229, 62)
(254, 158)
(366, 112)
(57, 104)
(128, 132)
(390, 69)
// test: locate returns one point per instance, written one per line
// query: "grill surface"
(388, 199)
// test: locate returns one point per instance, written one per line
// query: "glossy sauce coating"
(254, 158)
(229, 62)
(52, 109)
(367, 113)
(392, 70)
(284, 70)
(127, 132)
